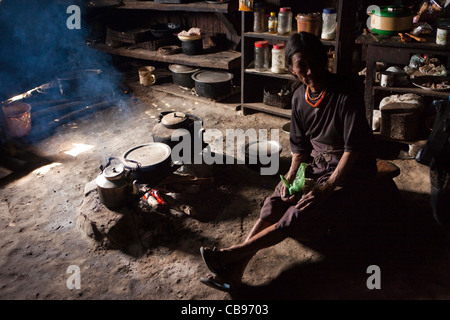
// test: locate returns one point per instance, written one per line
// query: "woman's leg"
(234, 259)
(238, 268)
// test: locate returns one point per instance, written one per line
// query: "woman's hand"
(285, 196)
(284, 191)
(315, 197)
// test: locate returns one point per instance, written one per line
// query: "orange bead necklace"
(314, 102)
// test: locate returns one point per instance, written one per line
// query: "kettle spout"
(135, 188)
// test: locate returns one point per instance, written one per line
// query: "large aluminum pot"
(213, 84)
(154, 159)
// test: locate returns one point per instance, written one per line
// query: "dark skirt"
(348, 202)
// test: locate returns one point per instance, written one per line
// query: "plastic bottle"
(262, 55)
(329, 23)
(273, 23)
(296, 188)
(258, 17)
(278, 58)
(284, 21)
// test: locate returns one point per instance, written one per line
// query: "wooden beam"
(219, 60)
(200, 6)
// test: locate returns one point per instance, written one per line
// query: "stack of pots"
(182, 75)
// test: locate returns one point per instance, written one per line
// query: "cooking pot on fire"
(115, 184)
(391, 20)
(155, 162)
(167, 130)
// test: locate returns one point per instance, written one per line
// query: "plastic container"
(278, 58)
(311, 22)
(284, 21)
(258, 17)
(262, 55)
(329, 24)
(442, 35)
(272, 24)
(18, 118)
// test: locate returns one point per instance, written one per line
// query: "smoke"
(36, 47)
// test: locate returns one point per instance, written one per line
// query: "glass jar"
(272, 23)
(284, 21)
(258, 17)
(310, 22)
(262, 55)
(329, 23)
(278, 58)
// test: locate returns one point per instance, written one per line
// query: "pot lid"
(392, 12)
(329, 10)
(113, 172)
(178, 68)
(149, 154)
(278, 46)
(261, 44)
(309, 16)
(174, 119)
(206, 76)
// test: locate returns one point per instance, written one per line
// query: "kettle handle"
(123, 160)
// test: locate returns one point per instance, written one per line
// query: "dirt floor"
(41, 236)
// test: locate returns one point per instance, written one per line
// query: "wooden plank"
(219, 60)
(419, 91)
(271, 36)
(345, 33)
(230, 102)
(285, 113)
(286, 75)
(200, 6)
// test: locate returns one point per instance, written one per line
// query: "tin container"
(311, 22)
(442, 35)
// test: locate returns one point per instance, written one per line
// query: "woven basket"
(277, 96)
(132, 36)
(154, 45)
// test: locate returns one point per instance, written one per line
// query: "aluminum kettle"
(115, 185)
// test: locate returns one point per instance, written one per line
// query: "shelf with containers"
(391, 51)
(219, 23)
(253, 82)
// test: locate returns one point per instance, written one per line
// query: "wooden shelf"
(419, 139)
(267, 35)
(415, 90)
(286, 76)
(218, 60)
(285, 113)
(199, 6)
(393, 51)
(342, 46)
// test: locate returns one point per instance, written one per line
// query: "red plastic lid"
(278, 46)
(260, 44)
(285, 9)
